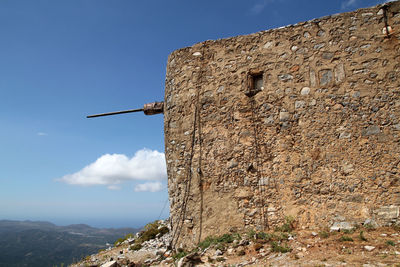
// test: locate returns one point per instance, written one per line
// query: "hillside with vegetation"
(41, 244)
(286, 245)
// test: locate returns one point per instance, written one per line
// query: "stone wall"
(319, 140)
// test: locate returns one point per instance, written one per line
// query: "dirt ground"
(380, 247)
(360, 247)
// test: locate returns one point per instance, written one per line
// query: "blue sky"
(62, 60)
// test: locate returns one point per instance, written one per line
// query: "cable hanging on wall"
(196, 128)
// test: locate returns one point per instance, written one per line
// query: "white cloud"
(113, 169)
(42, 134)
(348, 3)
(148, 187)
(258, 7)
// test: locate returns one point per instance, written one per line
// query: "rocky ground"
(287, 246)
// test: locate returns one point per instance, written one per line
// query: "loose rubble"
(286, 246)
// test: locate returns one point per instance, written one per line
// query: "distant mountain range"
(41, 244)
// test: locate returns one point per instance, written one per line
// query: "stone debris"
(303, 249)
(110, 264)
(341, 226)
(369, 248)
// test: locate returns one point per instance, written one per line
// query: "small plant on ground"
(344, 238)
(220, 259)
(347, 251)
(150, 231)
(276, 247)
(179, 255)
(219, 241)
(362, 237)
(220, 246)
(368, 226)
(390, 243)
(122, 239)
(396, 227)
(207, 242)
(236, 236)
(281, 237)
(324, 234)
(264, 236)
(136, 246)
(348, 231)
(119, 241)
(251, 234)
(226, 238)
(288, 226)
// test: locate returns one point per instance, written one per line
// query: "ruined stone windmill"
(300, 121)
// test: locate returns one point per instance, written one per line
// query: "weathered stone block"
(284, 116)
(326, 77)
(388, 213)
(110, 264)
(339, 73)
(371, 130)
(340, 226)
(305, 91)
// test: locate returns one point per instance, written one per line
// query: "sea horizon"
(95, 223)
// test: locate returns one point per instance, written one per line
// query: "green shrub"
(276, 247)
(151, 230)
(119, 241)
(362, 237)
(220, 246)
(324, 234)
(251, 234)
(369, 226)
(136, 246)
(288, 226)
(207, 242)
(179, 255)
(264, 236)
(346, 238)
(281, 237)
(220, 241)
(122, 239)
(348, 231)
(396, 227)
(226, 238)
(390, 243)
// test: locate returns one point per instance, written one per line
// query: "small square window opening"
(255, 83)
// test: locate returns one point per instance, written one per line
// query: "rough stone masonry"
(300, 121)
